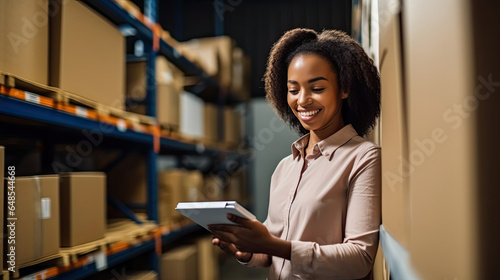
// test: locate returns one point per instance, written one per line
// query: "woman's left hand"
(249, 236)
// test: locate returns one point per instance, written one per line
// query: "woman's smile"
(307, 115)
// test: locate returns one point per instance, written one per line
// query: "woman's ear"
(344, 95)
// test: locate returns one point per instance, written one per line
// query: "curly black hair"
(357, 75)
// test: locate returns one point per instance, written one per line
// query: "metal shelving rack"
(150, 140)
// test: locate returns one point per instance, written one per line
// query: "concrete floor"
(230, 269)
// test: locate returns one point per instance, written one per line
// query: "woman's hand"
(249, 236)
(231, 249)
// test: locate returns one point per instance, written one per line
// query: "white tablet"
(212, 212)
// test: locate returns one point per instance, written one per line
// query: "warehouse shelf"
(45, 111)
(92, 264)
(37, 112)
(50, 115)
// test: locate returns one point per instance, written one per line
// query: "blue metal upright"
(152, 157)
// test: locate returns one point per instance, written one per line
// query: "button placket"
(291, 194)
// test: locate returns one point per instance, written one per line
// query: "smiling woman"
(313, 94)
(324, 208)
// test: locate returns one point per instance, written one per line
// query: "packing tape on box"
(38, 226)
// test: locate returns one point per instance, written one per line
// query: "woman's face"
(313, 94)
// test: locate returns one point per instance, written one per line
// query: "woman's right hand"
(231, 249)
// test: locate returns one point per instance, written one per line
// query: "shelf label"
(82, 112)
(121, 125)
(101, 261)
(31, 97)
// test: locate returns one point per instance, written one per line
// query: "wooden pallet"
(13, 81)
(169, 128)
(120, 235)
(53, 97)
(103, 109)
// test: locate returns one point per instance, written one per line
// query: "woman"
(324, 208)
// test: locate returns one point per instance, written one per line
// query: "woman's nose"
(304, 98)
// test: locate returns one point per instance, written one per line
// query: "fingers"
(224, 236)
(239, 220)
(225, 246)
(215, 241)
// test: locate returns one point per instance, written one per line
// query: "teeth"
(308, 113)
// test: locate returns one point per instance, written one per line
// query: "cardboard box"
(192, 111)
(171, 190)
(204, 55)
(37, 226)
(193, 186)
(232, 126)
(168, 74)
(236, 187)
(211, 123)
(180, 263)
(24, 48)
(167, 106)
(215, 56)
(87, 54)
(395, 167)
(169, 84)
(83, 207)
(208, 265)
(136, 78)
(240, 82)
(213, 188)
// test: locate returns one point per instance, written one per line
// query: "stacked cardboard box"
(170, 192)
(37, 227)
(208, 266)
(81, 40)
(213, 188)
(177, 185)
(180, 263)
(24, 48)
(232, 126)
(211, 128)
(83, 207)
(169, 85)
(240, 82)
(237, 187)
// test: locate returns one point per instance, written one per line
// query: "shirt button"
(327, 154)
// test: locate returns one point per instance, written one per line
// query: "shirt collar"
(326, 146)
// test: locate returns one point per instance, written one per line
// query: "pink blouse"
(331, 211)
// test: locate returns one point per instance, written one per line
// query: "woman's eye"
(318, 89)
(293, 91)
